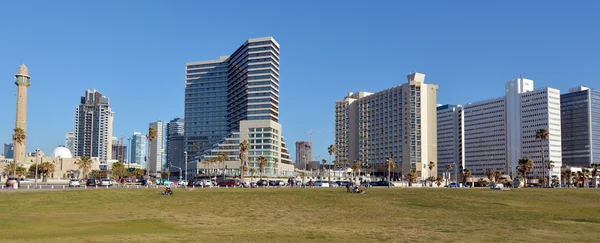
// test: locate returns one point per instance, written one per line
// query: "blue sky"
(134, 52)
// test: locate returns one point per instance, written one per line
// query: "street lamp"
(37, 152)
(185, 166)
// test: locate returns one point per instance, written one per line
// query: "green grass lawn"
(296, 215)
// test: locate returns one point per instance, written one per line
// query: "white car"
(182, 183)
(74, 183)
(320, 183)
(25, 181)
(105, 182)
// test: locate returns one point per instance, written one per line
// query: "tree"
(262, 162)
(18, 138)
(411, 176)
(466, 173)
(323, 162)
(497, 175)
(595, 167)
(490, 174)
(438, 181)
(567, 177)
(331, 150)
(138, 173)
(431, 179)
(47, 169)
(448, 168)
(525, 165)
(482, 182)
(223, 158)
(548, 165)
(244, 148)
(430, 166)
(355, 168)
(151, 136)
(542, 135)
(84, 164)
(118, 170)
(389, 165)
(542, 180)
(252, 172)
(585, 173)
(11, 167)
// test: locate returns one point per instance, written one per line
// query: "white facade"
(93, 126)
(499, 132)
(156, 148)
(450, 139)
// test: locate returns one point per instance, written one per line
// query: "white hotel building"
(498, 132)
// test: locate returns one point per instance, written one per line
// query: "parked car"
(106, 182)
(24, 181)
(496, 186)
(227, 183)
(382, 183)
(333, 184)
(13, 180)
(74, 183)
(90, 182)
(262, 183)
(276, 183)
(321, 183)
(452, 185)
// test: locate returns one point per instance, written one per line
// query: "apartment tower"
(93, 127)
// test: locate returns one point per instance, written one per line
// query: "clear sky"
(135, 52)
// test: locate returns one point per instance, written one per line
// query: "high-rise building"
(119, 150)
(398, 123)
(580, 124)
(175, 144)
(93, 126)
(303, 154)
(8, 151)
(23, 81)
(138, 149)
(156, 148)
(70, 141)
(450, 139)
(499, 132)
(221, 94)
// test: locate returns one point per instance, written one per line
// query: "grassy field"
(297, 215)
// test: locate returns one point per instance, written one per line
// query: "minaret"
(22, 80)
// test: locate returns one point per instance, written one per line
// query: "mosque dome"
(62, 152)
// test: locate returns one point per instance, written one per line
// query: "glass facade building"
(221, 93)
(580, 113)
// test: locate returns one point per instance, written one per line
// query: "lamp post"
(37, 152)
(185, 153)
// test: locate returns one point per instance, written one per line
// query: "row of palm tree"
(580, 178)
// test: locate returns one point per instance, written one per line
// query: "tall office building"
(119, 150)
(398, 123)
(70, 141)
(156, 148)
(175, 144)
(138, 149)
(450, 138)
(580, 124)
(500, 131)
(303, 154)
(93, 126)
(220, 94)
(8, 151)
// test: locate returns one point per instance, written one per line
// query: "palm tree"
(151, 136)
(84, 164)
(390, 165)
(542, 180)
(595, 167)
(331, 150)
(411, 176)
(548, 165)
(585, 173)
(47, 169)
(223, 158)
(18, 137)
(431, 179)
(262, 162)
(430, 166)
(448, 168)
(466, 173)
(567, 177)
(525, 165)
(21, 171)
(355, 168)
(497, 175)
(244, 148)
(542, 135)
(490, 174)
(252, 172)
(481, 182)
